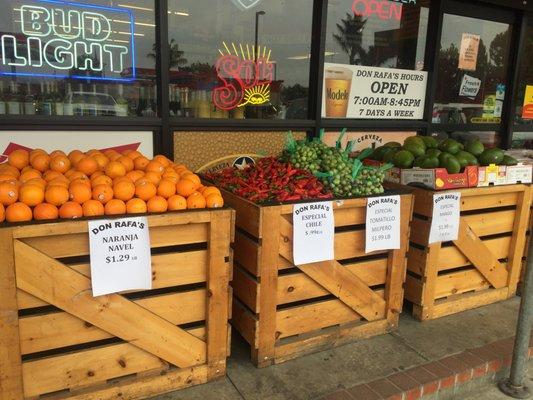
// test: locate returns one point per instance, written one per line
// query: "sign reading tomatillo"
(60, 39)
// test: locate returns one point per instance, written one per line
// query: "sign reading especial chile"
(354, 91)
(60, 39)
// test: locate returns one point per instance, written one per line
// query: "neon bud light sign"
(60, 39)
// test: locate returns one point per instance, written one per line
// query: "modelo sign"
(69, 40)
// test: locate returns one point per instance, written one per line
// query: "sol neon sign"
(383, 9)
(246, 75)
(63, 39)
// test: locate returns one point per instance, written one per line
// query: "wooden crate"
(58, 342)
(482, 266)
(284, 311)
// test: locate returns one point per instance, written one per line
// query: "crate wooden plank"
(245, 322)
(246, 253)
(347, 287)
(218, 294)
(468, 301)
(247, 214)
(85, 367)
(10, 368)
(480, 255)
(77, 244)
(489, 201)
(307, 318)
(460, 282)
(246, 288)
(298, 286)
(26, 300)
(49, 280)
(60, 329)
(287, 209)
(413, 289)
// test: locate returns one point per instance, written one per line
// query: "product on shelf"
(41, 186)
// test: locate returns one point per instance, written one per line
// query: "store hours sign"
(354, 91)
(59, 39)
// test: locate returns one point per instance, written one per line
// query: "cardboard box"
(505, 175)
(436, 178)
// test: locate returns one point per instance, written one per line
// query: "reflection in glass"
(78, 60)
(525, 76)
(239, 60)
(475, 92)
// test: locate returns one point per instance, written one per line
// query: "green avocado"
(389, 155)
(508, 160)
(393, 144)
(463, 161)
(433, 152)
(443, 157)
(491, 156)
(417, 140)
(452, 165)
(415, 148)
(419, 161)
(379, 152)
(475, 147)
(430, 162)
(403, 159)
(430, 142)
(451, 146)
(468, 158)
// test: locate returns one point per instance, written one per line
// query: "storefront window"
(374, 59)
(472, 70)
(239, 59)
(524, 100)
(488, 138)
(77, 59)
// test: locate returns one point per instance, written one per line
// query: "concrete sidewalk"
(319, 375)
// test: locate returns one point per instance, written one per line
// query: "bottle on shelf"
(47, 101)
(203, 105)
(29, 101)
(175, 105)
(122, 105)
(185, 104)
(13, 100)
(3, 109)
(58, 100)
(67, 102)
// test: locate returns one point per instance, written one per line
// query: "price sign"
(120, 255)
(382, 223)
(314, 232)
(446, 214)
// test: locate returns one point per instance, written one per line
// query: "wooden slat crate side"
(59, 329)
(245, 322)
(246, 288)
(287, 209)
(247, 214)
(413, 289)
(460, 282)
(246, 253)
(488, 201)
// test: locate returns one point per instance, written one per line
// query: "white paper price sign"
(383, 223)
(314, 232)
(120, 255)
(446, 215)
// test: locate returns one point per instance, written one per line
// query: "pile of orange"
(41, 186)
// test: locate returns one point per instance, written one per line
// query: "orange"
(102, 193)
(166, 188)
(92, 208)
(109, 152)
(36, 152)
(172, 175)
(193, 178)
(45, 211)
(57, 153)
(2, 213)
(196, 200)
(185, 187)
(214, 201)
(153, 177)
(124, 190)
(96, 174)
(92, 152)
(127, 162)
(145, 190)
(87, 165)
(101, 160)
(59, 181)
(136, 206)
(134, 175)
(157, 204)
(101, 180)
(133, 154)
(141, 162)
(41, 162)
(115, 207)
(19, 158)
(210, 190)
(9, 193)
(50, 175)
(9, 170)
(74, 156)
(77, 175)
(70, 210)
(6, 177)
(69, 173)
(60, 163)
(177, 202)
(31, 195)
(82, 181)
(121, 179)
(29, 174)
(161, 159)
(154, 166)
(79, 192)
(18, 212)
(37, 182)
(56, 195)
(115, 169)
